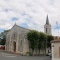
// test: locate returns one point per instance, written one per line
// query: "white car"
(48, 54)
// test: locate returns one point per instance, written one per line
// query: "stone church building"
(16, 39)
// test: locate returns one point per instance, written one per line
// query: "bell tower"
(47, 27)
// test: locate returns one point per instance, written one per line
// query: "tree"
(3, 37)
(33, 38)
(40, 45)
(49, 39)
(42, 42)
(39, 40)
(3, 42)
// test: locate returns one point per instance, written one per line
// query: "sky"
(30, 14)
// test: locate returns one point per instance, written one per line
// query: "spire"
(47, 20)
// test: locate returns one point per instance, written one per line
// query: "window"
(14, 35)
(7, 42)
(21, 46)
(46, 30)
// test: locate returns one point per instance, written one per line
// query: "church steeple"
(47, 27)
(47, 20)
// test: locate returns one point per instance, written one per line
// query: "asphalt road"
(8, 56)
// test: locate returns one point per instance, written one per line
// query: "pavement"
(11, 56)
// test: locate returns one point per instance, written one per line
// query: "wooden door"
(14, 43)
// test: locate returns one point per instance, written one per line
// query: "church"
(16, 39)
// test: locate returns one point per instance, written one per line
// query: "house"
(55, 46)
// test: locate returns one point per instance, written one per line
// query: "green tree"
(39, 43)
(42, 41)
(38, 40)
(3, 37)
(49, 39)
(3, 41)
(33, 38)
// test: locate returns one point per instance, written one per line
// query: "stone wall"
(20, 35)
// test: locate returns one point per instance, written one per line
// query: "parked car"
(2, 47)
(48, 54)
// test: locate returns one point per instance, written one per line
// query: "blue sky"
(30, 14)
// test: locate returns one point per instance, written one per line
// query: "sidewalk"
(10, 52)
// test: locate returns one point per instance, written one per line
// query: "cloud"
(30, 14)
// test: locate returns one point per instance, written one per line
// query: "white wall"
(55, 51)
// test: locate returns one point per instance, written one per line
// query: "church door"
(14, 43)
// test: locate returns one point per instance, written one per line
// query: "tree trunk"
(39, 52)
(32, 52)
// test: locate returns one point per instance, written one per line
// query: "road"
(8, 56)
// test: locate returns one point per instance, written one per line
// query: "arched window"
(46, 30)
(14, 35)
(21, 45)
